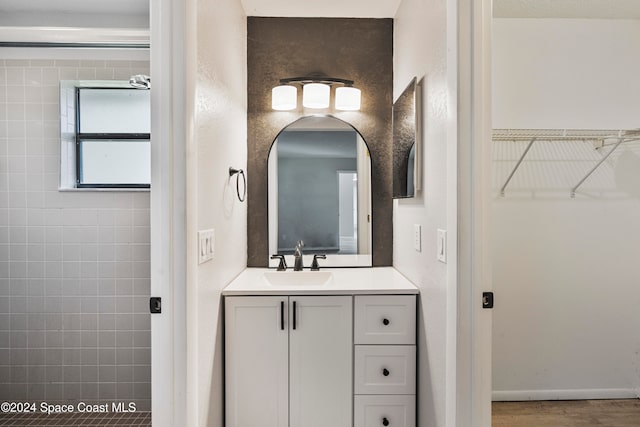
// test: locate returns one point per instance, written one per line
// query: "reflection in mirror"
(320, 192)
(406, 148)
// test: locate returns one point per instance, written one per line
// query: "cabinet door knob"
(385, 422)
(385, 372)
(385, 321)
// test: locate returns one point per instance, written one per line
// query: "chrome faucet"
(297, 254)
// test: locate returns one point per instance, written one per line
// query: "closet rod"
(526, 150)
(573, 190)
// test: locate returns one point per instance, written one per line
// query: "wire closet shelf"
(598, 138)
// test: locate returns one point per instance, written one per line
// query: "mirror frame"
(407, 134)
(333, 260)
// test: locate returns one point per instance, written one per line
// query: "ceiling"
(322, 9)
(297, 8)
(602, 9)
(75, 13)
(588, 9)
(134, 7)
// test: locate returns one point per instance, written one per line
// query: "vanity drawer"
(385, 411)
(385, 319)
(385, 369)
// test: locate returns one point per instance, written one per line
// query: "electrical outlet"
(206, 243)
(417, 237)
(442, 245)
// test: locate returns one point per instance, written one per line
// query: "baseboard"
(576, 394)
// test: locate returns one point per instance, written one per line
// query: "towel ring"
(232, 172)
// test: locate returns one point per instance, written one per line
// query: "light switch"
(442, 245)
(417, 237)
(206, 243)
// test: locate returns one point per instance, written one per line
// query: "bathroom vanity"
(330, 348)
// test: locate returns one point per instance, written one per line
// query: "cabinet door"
(256, 355)
(320, 360)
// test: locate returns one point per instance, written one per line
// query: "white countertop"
(343, 281)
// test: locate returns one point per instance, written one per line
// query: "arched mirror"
(320, 193)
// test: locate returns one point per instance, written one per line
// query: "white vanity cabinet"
(305, 352)
(288, 361)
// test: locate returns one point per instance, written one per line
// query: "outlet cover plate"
(417, 237)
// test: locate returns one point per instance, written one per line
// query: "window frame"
(70, 137)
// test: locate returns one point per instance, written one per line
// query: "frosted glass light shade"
(316, 95)
(284, 97)
(348, 98)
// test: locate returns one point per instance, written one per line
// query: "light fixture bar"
(325, 80)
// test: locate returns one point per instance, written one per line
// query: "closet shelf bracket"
(617, 144)
(524, 154)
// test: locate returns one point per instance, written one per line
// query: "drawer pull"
(385, 321)
(385, 372)
(385, 422)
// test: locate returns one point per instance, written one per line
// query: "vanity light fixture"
(316, 93)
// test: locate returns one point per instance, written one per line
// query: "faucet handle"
(283, 264)
(314, 265)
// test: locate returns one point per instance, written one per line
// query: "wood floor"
(567, 413)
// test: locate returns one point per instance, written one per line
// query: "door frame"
(468, 400)
(470, 382)
(356, 205)
(168, 214)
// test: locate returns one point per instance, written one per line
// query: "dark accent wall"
(356, 49)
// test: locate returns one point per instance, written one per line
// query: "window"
(105, 135)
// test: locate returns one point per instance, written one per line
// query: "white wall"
(420, 50)
(566, 321)
(566, 73)
(216, 129)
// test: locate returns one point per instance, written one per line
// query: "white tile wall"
(74, 267)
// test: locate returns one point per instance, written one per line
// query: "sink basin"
(297, 278)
